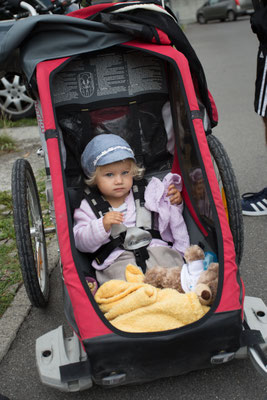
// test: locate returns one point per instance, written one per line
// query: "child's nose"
(118, 178)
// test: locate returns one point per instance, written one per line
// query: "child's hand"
(112, 217)
(175, 195)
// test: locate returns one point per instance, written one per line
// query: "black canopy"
(46, 37)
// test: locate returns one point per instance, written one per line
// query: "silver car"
(223, 9)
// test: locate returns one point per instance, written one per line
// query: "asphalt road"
(228, 53)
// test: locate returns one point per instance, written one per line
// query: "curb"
(21, 306)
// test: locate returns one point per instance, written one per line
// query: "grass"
(7, 143)
(10, 273)
(6, 123)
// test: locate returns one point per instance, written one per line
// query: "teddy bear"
(190, 277)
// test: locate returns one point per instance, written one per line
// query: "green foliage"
(6, 123)
(7, 143)
(10, 272)
(10, 275)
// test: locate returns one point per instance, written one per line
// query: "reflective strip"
(110, 149)
(259, 206)
(262, 107)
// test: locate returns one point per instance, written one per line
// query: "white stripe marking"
(262, 87)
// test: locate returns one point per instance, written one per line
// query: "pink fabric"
(171, 223)
(90, 235)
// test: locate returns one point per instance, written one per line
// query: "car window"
(212, 2)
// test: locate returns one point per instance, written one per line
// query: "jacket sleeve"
(89, 232)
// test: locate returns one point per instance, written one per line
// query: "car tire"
(231, 15)
(15, 101)
(201, 19)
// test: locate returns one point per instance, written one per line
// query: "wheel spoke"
(26, 98)
(7, 103)
(17, 103)
(16, 80)
(5, 83)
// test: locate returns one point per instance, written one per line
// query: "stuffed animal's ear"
(193, 253)
(204, 293)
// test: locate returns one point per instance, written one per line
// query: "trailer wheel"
(29, 230)
(229, 191)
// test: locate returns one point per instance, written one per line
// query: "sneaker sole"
(254, 213)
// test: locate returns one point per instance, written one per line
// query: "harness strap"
(141, 255)
(100, 207)
(139, 188)
(104, 251)
(96, 201)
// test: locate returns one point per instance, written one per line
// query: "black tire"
(231, 15)
(29, 230)
(201, 19)
(230, 193)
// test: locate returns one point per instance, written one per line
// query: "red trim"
(230, 298)
(214, 108)
(88, 322)
(163, 38)
(43, 71)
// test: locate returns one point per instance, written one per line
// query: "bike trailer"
(127, 68)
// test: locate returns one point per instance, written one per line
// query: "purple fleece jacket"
(90, 234)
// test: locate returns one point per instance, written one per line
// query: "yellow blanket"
(133, 306)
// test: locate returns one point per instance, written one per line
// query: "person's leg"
(265, 123)
(117, 269)
(164, 257)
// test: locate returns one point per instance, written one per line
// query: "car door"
(217, 9)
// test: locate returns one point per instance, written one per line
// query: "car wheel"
(201, 19)
(231, 16)
(15, 101)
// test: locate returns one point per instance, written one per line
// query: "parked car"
(15, 100)
(223, 10)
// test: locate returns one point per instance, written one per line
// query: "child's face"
(115, 181)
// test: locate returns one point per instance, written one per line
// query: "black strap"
(104, 251)
(97, 202)
(75, 371)
(253, 338)
(100, 206)
(141, 255)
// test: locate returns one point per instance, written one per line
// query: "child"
(109, 163)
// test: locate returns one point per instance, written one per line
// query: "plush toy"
(190, 277)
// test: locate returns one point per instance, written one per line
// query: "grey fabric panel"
(45, 37)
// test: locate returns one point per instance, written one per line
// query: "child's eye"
(109, 174)
(125, 173)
